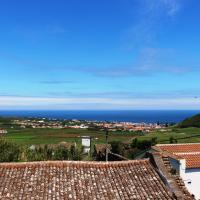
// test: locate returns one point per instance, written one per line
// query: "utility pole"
(107, 145)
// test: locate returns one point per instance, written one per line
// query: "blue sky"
(99, 54)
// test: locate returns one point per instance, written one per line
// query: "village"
(84, 124)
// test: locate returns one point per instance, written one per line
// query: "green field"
(183, 135)
(53, 136)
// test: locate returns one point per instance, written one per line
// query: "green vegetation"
(174, 134)
(48, 152)
(144, 144)
(53, 136)
(9, 152)
(181, 135)
(15, 145)
(117, 147)
(191, 122)
(7, 123)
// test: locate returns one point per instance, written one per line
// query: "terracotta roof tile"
(192, 160)
(59, 180)
(190, 152)
(180, 148)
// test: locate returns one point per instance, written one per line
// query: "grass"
(183, 135)
(52, 136)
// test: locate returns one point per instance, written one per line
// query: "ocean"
(148, 116)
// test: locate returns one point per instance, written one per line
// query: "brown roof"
(180, 148)
(81, 180)
(174, 181)
(190, 152)
(102, 148)
(192, 160)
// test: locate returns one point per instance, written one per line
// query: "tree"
(154, 141)
(172, 140)
(75, 154)
(61, 153)
(117, 147)
(143, 144)
(9, 152)
(134, 143)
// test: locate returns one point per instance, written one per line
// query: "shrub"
(172, 140)
(143, 144)
(61, 153)
(9, 152)
(117, 147)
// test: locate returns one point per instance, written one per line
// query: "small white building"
(3, 131)
(185, 160)
(86, 143)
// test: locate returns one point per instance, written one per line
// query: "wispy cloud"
(7, 102)
(172, 6)
(167, 7)
(151, 15)
(121, 94)
(149, 61)
(56, 82)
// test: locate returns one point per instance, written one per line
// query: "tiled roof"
(192, 160)
(190, 152)
(175, 182)
(180, 148)
(59, 180)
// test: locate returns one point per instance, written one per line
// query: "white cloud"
(9, 102)
(172, 6)
(151, 15)
(167, 7)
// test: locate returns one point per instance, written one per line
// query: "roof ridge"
(177, 144)
(188, 153)
(79, 163)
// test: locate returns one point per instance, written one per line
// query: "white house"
(185, 160)
(86, 143)
(3, 131)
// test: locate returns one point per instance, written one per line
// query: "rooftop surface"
(180, 148)
(59, 180)
(189, 151)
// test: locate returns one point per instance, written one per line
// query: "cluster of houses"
(56, 124)
(3, 132)
(38, 123)
(79, 124)
(130, 126)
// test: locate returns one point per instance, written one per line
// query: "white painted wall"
(191, 178)
(86, 142)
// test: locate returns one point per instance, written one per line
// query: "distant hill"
(191, 122)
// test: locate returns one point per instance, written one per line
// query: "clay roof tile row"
(59, 180)
(189, 151)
